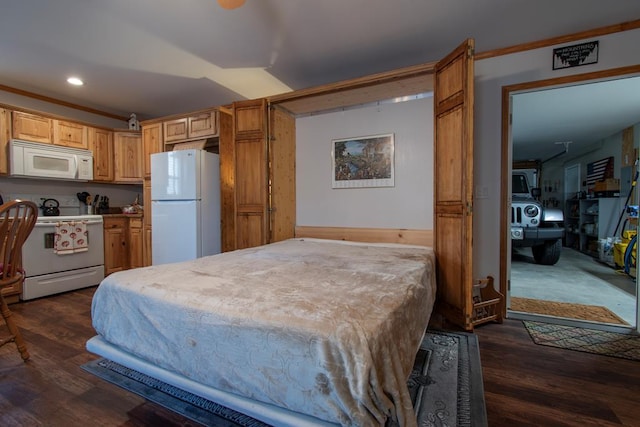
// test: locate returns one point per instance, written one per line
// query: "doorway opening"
(596, 219)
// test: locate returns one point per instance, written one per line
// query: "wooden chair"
(17, 219)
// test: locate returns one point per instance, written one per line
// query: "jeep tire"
(547, 253)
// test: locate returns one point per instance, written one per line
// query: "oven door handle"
(52, 224)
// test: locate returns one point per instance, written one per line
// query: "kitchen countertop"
(121, 215)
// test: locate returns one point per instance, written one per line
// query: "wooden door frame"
(505, 206)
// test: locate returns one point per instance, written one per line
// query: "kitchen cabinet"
(263, 175)
(32, 127)
(135, 239)
(115, 244)
(101, 144)
(146, 249)
(70, 134)
(175, 130)
(5, 136)
(151, 143)
(194, 126)
(127, 148)
(123, 242)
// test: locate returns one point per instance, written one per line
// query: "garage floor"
(576, 278)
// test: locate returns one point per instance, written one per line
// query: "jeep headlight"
(531, 211)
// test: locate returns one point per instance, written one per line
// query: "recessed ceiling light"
(75, 81)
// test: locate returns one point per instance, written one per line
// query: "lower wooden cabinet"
(115, 244)
(123, 243)
(136, 243)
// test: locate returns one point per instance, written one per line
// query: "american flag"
(599, 171)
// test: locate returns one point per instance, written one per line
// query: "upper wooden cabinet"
(127, 149)
(205, 124)
(101, 144)
(31, 127)
(175, 130)
(151, 143)
(249, 120)
(70, 134)
(197, 125)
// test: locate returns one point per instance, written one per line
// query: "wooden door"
(250, 173)
(101, 144)
(453, 162)
(282, 174)
(227, 181)
(251, 193)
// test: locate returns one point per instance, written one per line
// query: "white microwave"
(35, 160)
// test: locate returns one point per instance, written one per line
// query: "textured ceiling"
(161, 57)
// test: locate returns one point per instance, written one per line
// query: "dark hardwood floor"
(525, 384)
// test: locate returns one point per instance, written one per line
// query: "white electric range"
(49, 273)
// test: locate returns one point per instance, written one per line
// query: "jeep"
(533, 225)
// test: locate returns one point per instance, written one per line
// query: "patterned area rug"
(445, 385)
(624, 346)
(594, 313)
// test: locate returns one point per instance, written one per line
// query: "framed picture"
(365, 161)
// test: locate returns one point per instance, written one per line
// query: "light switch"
(482, 192)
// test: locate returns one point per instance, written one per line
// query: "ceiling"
(572, 120)
(160, 57)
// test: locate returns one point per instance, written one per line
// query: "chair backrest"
(17, 219)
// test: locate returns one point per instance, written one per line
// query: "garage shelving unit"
(588, 220)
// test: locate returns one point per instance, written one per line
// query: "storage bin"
(487, 302)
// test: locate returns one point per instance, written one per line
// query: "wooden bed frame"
(368, 235)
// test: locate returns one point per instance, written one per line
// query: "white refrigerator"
(185, 205)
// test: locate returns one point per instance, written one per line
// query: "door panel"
(453, 154)
(447, 168)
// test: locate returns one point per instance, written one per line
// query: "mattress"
(324, 328)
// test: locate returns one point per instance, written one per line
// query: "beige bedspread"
(321, 327)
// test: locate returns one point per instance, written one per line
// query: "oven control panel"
(68, 205)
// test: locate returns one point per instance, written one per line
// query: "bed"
(300, 332)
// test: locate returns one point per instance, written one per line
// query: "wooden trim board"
(369, 235)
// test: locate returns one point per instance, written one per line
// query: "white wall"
(616, 50)
(409, 204)
(25, 102)
(119, 194)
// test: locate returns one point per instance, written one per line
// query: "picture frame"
(363, 162)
